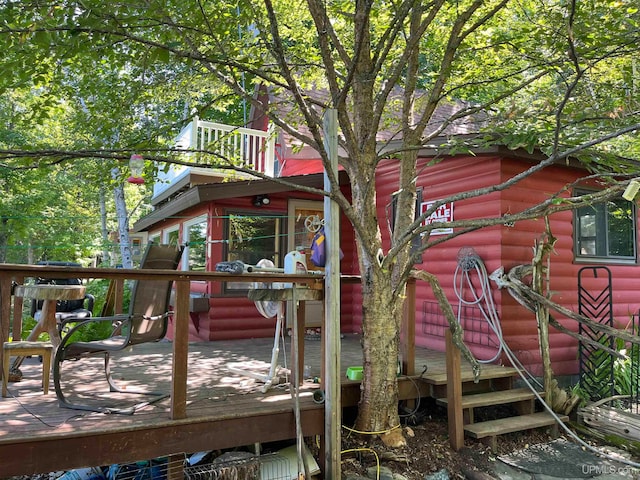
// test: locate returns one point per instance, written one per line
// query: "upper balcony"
(246, 147)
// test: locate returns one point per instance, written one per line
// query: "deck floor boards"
(215, 396)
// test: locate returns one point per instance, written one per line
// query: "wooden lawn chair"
(146, 321)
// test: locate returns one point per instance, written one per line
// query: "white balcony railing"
(244, 147)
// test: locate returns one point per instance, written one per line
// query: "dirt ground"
(428, 449)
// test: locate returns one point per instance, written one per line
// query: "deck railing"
(239, 146)
(181, 279)
(247, 147)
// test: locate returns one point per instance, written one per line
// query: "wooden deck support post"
(331, 329)
(408, 337)
(454, 395)
(298, 312)
(180, 351)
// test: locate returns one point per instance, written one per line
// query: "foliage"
(27, 325)
(92, 331)
(99, 288)
(48, 211)
(604, 368)
(555, 75)
(626, 371)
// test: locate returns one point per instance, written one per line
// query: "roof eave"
(219, 191)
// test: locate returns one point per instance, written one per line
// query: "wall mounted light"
(261, 200)
(136, 165)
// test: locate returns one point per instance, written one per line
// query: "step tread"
(488, 372)
(511, 424)
(492, 398)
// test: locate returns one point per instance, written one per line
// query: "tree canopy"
(559, 77)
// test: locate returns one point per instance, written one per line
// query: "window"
(606, 230)
(252, 237)
(195, 239)
(304, 220)
(171, 236)
(154, 239)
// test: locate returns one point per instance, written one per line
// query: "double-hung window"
(605, 231)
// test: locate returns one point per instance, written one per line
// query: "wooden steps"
(492, 377)
(489, 430)
(522, 397)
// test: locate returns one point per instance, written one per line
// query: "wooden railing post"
(180, 351)
(454, 394)
(408, 334)
(5, 311)
(16, 329)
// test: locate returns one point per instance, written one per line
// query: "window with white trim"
(195, 239)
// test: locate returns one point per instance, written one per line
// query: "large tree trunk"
(382, 313)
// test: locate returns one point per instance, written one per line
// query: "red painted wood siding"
(498, 246)
(520, 325)
(504, 246)
(450, 176)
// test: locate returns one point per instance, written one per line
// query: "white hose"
(468, 262)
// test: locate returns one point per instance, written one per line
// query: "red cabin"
(212, 217)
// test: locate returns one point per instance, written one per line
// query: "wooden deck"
(224, 409)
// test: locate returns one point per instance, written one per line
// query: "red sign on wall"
(444, 213)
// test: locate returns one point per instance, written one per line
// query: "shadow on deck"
(224, 409)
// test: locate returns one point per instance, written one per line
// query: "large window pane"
(606, 230)
(251, 238)
(620, 222)
(586, 231)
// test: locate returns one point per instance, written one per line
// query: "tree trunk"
(123, 225)
(382, 314)
(103, 225)
(542, 317)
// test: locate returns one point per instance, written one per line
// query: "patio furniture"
(23, 349)
(66, 310)
(146, 322)
(49, 295)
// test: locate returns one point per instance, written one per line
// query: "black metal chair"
(146, 321)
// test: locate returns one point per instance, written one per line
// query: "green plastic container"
(354, 373)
